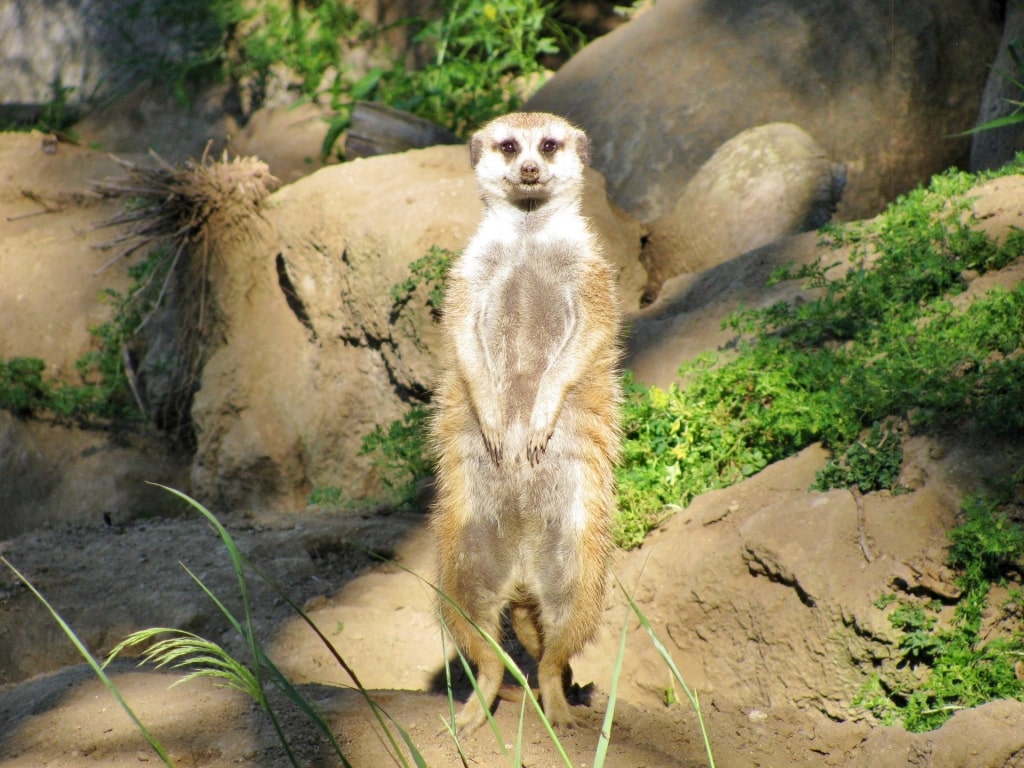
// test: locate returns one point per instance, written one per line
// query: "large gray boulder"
(880, 85)
(769, 182)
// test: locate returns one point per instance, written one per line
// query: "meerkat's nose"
(529, 170)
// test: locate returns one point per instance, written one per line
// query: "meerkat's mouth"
(528, 186)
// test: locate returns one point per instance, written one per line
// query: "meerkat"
(526, 425)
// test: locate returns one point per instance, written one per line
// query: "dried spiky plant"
(175, 216)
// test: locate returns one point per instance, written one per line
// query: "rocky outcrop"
(769, 182)
(51, 295)
(881, 86)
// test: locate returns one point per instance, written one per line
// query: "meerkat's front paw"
(491, 430)
(536, 444)
(542, 427)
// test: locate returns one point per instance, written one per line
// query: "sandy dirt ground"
(108, 580)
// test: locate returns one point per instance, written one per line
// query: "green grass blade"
(495, 728)
(601, 754)
(517, 759)
(96, 667)
(667, 658)
(382, 716)
(450, 722)
(999, 122)
(236, 562)
(235, 623)
(246, 630)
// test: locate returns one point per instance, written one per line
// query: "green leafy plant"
(869, 464)
(958, 662)
(882, 341)
(476, 45)
(103, 391)
(22, 388)
(307, 38)
(56, 116)
(430, 271)
(400, 454)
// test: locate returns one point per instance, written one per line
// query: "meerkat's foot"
(554, 679)
(558, 714)
(471, 717)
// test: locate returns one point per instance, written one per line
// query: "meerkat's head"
(528, 159)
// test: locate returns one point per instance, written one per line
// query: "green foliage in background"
(884, 339)
(479, 50)
(306, 38)
(430, 271)
(102, 391)
(400, 454)
(942, 666)
(869, 464)
(194, 42)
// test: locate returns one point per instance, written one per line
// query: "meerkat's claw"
(494, 451)
(491, 433)
(536, 447)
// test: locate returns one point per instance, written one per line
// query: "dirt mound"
(761, 592)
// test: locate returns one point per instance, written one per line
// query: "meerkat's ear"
(582, 147)
(476, 149)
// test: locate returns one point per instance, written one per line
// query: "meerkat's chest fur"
(526, 308)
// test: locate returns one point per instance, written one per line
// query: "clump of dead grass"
(174, 215)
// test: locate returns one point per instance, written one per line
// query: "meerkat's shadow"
(462, 686)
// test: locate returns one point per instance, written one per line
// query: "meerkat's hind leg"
(553, 672)
(489, 668)
(489, 673)
(524, 623)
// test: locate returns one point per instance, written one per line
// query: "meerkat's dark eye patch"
(550, 146)
(509, 147)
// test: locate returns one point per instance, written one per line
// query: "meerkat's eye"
(509, 147)
(550, 146)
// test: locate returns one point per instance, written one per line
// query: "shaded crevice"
(759, 567)
(291, 295)
(415, 394)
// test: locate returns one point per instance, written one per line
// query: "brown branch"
(862, 537)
